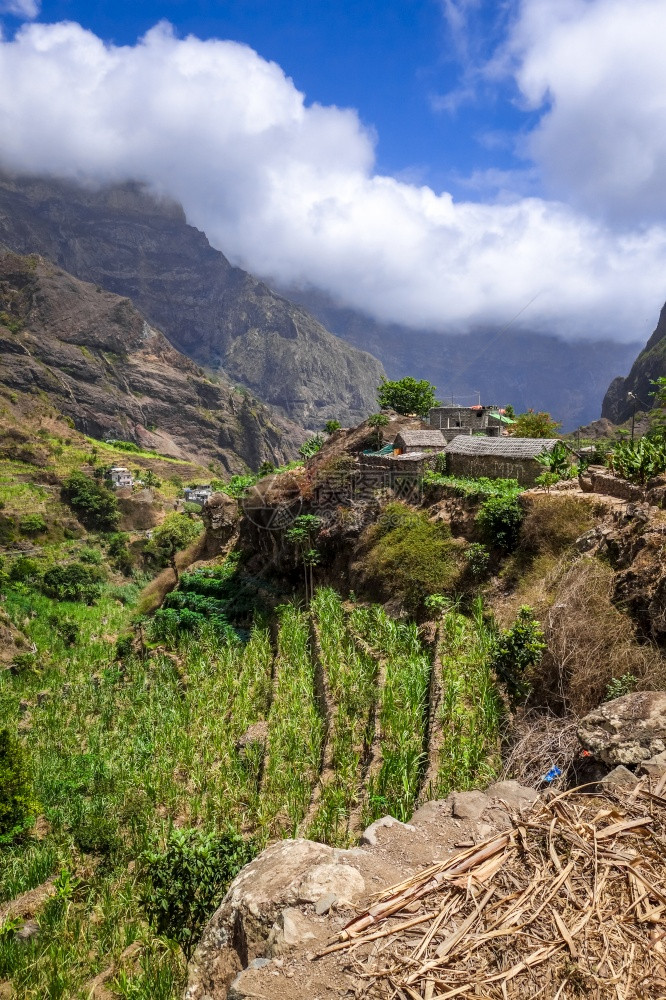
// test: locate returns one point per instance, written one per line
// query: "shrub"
(94, 504)
(477, 558)
(186, 881)
(590, 642)
(499, 519)
(516, 650)
(91, 556)
(32, 524)
(638, 460)
(25, 570)
(311, 446)
(17, 804)
(621, 685)
(66, 629)
(331, 426)
(74, 582)
(95, 830)
(552, 524)
(414, 556)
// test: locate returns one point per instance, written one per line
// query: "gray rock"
(369, 836)
(291, 929)
(324, 904)
(620, 779)
(29, 930)
(655, 766)
(340, 880)
(512, 794)
(626, 730)
(469, 805)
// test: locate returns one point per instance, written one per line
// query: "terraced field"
(311, 725)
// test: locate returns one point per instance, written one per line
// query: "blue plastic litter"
(554, 773)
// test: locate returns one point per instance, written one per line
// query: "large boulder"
(626, 730)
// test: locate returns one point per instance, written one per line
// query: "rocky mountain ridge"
(99, 362)
(139, 246)
(618, 404)
(567, 378)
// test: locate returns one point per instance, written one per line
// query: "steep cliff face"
(648, 366)
(133, 244)
(99, 362)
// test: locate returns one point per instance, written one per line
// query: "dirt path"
(28, 903)
(374, 759)
(434, 733)
(327, 710)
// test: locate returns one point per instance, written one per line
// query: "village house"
(452, 421)
(198, 494)
(497, 457)
(120, 477)
(409, 442)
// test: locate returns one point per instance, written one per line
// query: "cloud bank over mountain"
(289, 189)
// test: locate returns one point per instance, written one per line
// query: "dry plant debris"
(568, 903)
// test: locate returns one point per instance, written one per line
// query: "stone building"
(497, 457)
(120, 477)
(452, 421)
(423, 442)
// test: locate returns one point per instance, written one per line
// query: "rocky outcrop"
(650, 364)
(100, 363)
(139, 246)
(285, 906)
(626, 730)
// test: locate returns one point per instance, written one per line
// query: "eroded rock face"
(627, 730)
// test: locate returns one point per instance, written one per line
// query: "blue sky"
(393, 61)
(440, 163)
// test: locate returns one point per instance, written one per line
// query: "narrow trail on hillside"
(434, 734)
(328, 711)
(373, 759)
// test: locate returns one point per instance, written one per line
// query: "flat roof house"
(454, 420)
(120, 477)
(498, 458)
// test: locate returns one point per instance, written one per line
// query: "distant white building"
(120, 477)
(198, 494)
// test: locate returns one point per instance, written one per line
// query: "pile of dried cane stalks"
(569, 903)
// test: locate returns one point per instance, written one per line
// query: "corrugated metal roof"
(415, 439)
(503, 447)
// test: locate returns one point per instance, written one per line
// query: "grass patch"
(471, 710)
(419, 557)
(351, 679)
(402, 710)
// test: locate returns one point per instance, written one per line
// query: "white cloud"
(290, 189)
(26, 9)
(598, 69)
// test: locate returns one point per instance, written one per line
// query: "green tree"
(516, 649)
(331, 426)
(406, 395)
(378, 421)
(533, 424)
(175, 532)
(499, 519)
(94, 504)
(148, 477)
(73, 582)
(302, 533)
(186, 881)
(17, 804)
(509, 411)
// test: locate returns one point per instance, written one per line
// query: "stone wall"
(525, 470)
